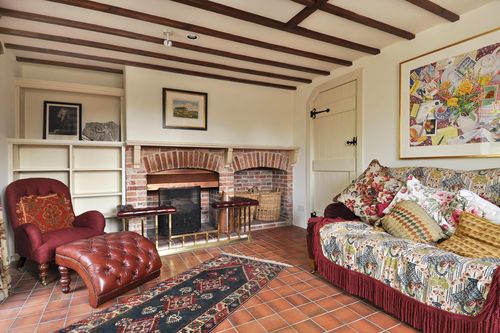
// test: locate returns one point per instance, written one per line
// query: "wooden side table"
(127, 212)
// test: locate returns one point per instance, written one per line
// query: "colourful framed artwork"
(450, 100)
(184, 109)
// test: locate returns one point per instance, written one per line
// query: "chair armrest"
(338, 209)
(28, 238)
(91, 219)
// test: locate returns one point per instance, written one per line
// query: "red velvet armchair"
(40, 247)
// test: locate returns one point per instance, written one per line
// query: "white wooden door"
(333, 160)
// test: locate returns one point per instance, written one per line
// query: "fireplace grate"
(187, 201)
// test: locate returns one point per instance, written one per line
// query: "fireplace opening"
(187, 201)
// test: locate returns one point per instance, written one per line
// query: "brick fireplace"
(236, 170)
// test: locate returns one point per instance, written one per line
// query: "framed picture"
(184, 109)
(62, 121)
(450, 100)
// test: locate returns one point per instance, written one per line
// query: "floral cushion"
(48, 213)
(430, 275)
(375, 186)
(475, 237)
(467, 201)
(408, 220)
(485, 182)
(434, 201)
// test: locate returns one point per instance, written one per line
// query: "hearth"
(187, 201)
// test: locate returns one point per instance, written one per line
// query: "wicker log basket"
(269, 206)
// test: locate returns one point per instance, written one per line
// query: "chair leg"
(21, 262)
(43, 272)
(65, 279)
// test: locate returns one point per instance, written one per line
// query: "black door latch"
(353, 142)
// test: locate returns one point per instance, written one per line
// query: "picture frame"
(450, 100)
(62, 121)
(183, 109)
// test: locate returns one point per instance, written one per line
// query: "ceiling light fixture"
(167, 42)
(192, 36)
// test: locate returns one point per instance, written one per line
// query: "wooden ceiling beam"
(144, 65)
(271, 23)
(198, 29)
(164, 56)
(364, 20)
(436, 9)
(156, 40)
(69, 64)
(306, 12)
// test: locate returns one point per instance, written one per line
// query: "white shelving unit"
(94, 171)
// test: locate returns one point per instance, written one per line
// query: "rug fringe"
(256, 259)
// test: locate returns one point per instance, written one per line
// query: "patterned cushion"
(485, 182)
(49, 213)
(375, 186)
(475, 238)
(408, 220)
(468, 201)
(434, 201)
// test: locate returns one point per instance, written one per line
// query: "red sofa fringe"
(417, 314)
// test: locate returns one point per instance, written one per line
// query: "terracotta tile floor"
(295, 301)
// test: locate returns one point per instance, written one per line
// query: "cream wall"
(238, 114)
(380, 102)
(8, 72)
(65, 74)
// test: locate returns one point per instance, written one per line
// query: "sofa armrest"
(338, 209)
(313, 225)
(28, 238)
(91, 219)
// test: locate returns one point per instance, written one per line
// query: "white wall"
(8, 71)
(237, 113)
(380, 105)
(65, 74)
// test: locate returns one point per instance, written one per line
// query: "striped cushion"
(408, 220)
(475, 237)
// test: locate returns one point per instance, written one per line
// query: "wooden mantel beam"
(364, 20)
(436, 9)
(164, 56)
(144, 65)
(156, 40)
(92, 5)
(274, 24)
(306, 12)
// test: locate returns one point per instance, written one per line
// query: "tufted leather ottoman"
(110, 264)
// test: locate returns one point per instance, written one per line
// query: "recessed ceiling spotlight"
(167, 42)
(192, 36)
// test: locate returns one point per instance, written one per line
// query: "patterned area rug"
(194, 301)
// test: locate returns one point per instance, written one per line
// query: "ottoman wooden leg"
(65, 279)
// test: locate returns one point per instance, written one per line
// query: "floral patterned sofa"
(429, 288)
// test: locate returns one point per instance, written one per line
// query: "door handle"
(352, 142)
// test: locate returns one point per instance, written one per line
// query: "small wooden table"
(127, 212)
(238, 215)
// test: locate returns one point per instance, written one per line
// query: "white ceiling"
(398, 13)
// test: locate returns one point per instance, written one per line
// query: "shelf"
(96, 195)
(41, 142)
(41, 170)
(206, 145)
(96, 169)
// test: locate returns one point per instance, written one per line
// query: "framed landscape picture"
(450, 100)
(184, 109)
(62, 121)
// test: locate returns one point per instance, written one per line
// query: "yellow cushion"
(408, 220)
(475, 237)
